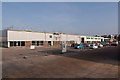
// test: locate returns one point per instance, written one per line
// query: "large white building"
(18, 38)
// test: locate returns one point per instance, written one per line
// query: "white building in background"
(94, 39)
(19, 38)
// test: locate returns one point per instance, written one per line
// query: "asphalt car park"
(48, 62)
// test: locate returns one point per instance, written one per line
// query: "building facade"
(19, 38)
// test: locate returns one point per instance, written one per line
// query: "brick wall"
(57, 43)
(45, 43)
(28, 43)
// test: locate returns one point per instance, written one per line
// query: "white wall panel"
(64, 37)
(37, 36)
(27, 36)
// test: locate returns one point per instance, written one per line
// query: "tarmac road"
(76, 63)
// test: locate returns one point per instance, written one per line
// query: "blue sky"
(85, 18)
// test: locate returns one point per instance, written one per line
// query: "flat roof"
(40, 32)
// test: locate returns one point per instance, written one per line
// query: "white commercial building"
(18, 38)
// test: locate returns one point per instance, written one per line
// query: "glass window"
(41, 42)
(33, 42)
(38, 43)
(11, 43)
(18, 43)
(49, 43)
(22, 43)
(56, 38)
(50, 36)
(15, 43)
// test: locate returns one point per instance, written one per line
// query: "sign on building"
(64, 47)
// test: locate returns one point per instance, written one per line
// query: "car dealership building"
(24, 38)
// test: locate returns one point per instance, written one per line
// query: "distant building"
(111, 37)
(97, 36)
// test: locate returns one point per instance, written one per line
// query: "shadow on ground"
(108, 55)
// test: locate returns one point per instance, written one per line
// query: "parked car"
(114, 43)
(93, 46)
(103, 43)
(107, 43)
(78, 46)
(73, 45)
(119, 44)
(86, 44)
(100, 45)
